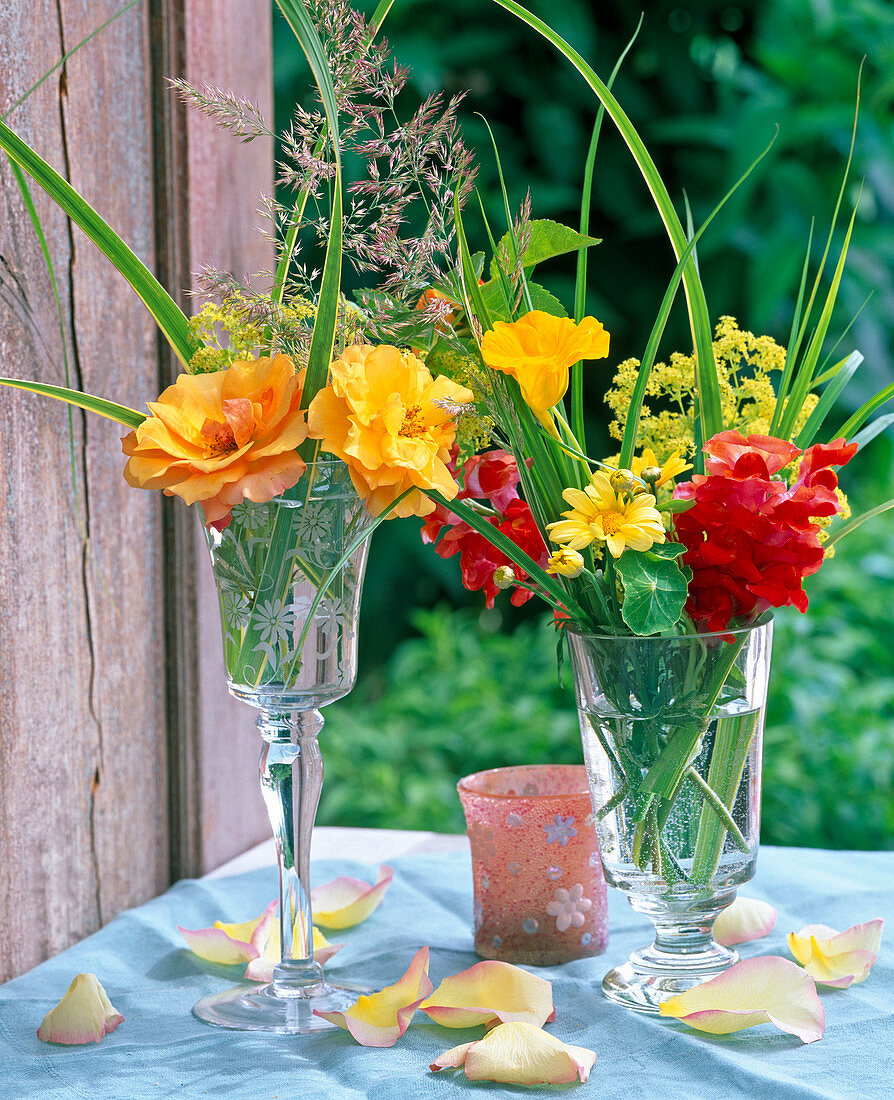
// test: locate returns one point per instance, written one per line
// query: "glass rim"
(463, 786)
(766, 619)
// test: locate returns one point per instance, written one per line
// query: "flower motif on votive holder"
(569, 907)
(560, 831)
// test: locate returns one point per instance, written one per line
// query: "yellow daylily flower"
(835, 958)
(519, 1054)
(491, 992)
(764, 990)
(84, 1015)
(379, 1019)
(538, 350)
(598, 512)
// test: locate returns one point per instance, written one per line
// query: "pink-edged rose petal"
(518, 1053)
(746, 919)
(84, 1015)
(230, 944)
(837, 958)
(768, 989)
(491, 992)
(379, 1019)
(261, 968)
(345, 902)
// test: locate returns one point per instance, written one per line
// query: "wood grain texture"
(83, 830)
(227, 180)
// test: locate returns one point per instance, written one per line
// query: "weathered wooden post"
(122, 763)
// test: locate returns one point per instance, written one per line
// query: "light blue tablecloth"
(161, 1050)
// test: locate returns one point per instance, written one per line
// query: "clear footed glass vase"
(289, 606)
(672, 730)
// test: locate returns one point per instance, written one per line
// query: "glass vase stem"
(291, 770)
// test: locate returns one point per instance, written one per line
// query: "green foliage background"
(444, 692)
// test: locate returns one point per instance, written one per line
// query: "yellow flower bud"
(651, 473)
(565, 562)
(504, 577)
(622, 481)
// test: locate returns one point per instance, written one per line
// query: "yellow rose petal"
(84, 1015)
(379, 1019)
(764, 990)
(491, 992)
(835, 958)
(519, 1053)
(344, 902)
(261, 968)
(746, 919)
(230, 944)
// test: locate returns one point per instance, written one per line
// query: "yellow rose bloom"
(222, 438)
(598, 512)
(384, 414)
(566, 562)
(538, 350)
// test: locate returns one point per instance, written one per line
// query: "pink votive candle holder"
(540, 893)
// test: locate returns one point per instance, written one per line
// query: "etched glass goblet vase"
(289, 575)
(672, 730)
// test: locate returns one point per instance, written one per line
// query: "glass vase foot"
(642, 982)
(259, 1008)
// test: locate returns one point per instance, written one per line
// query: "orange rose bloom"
(538, 349)
(221, 438)
(384, 414)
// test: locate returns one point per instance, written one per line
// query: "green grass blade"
(323, 338)
(844, 372)
(853, 524)
(578, 425)
(850, 426)
(510, 228)
(706, 369)
(70, 53)
(628, 442)
(473, 300)
(168, 315)
(130, 418)
(867, 434)
(794, 341)
(806, 369)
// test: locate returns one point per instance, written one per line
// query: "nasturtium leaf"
(655, 587)
(547, 239)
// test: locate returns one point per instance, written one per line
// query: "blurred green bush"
(466, 694)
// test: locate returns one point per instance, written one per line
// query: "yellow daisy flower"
(598, 512)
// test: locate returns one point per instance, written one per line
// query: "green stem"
(713, 801)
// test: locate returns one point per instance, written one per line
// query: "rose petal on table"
(84, 1015)
(768, 989)
(379, 1019)
(746, 919)
(835, 958)
(518, 1053)
(229, 944)
(345, 902)
(491, 992)
(261, 968)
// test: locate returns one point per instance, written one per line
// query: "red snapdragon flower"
(751, 539)
(493, 477)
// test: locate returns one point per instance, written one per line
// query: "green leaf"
(130, 418)
(675, 506)
(655, 587)
(540, 299)
(548, 239)
(168, 315)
